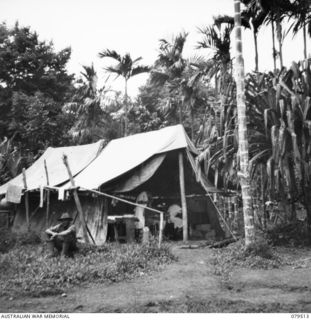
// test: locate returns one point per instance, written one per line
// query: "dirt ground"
(188, 285)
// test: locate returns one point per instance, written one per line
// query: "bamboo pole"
(183, 196)
(47, 195)
(26, 199)
(78, 203)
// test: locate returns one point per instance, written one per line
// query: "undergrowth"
(25, 269)
(258, 256)
(9, 240)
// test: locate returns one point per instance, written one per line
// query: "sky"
(134, 26)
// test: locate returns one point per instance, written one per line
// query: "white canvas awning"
(78, 157)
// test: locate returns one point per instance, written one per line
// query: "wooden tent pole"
(161, 229)
(104, 221)
(47, 195)
(183, 195)
(26, 199)
(78, 203)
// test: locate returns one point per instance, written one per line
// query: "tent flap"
(140, 175)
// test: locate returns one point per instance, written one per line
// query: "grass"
(26, 270)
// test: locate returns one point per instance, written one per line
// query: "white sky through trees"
(134, 26)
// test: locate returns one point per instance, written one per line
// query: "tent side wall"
(92, 209)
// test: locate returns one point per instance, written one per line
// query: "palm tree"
(276, 11)
(216, 38)
(250, 19)
(302, 14)
(168, 70)
(253, 18)
(127, 68)
(87, 108)
(244, 174)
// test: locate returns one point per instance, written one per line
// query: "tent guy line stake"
(136, 205)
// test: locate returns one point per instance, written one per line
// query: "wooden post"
(78, 203)
(183, 196)
(104, 221)
(47, 195)
(161, 229)
(26, 199)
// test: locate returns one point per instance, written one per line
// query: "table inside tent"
(129, 221)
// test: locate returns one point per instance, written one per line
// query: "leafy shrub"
(9, 240)
(27, 270)
(293, 233)
(259, 256)
(260, 248)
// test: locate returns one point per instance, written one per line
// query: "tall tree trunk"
(216, 85)
(279, 37)
(304, 41)
(180, 112)
(255, 44)
(273, 46)
(256, 51)
(263, 196)
(125, 109)
(243, 142)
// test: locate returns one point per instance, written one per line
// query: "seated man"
(174, 227)
(62, 237)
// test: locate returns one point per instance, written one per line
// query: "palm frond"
(139, 70)
(110, 54)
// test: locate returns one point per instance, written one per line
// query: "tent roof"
(78, 157)
(124, 154)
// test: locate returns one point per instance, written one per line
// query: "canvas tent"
(126, 167)
(79, 158)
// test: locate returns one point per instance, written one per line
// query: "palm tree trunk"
(256, 50)
(273, 46)
(304, 41)
(180, 112)
(216, 85)
(279, 37)
(263, 197)
(243, 142)
(125, 109)
(255, 44)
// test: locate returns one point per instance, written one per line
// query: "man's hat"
(65, 216)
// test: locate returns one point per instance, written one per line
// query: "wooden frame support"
(183, 195)
(26, 200)
(85, 229)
